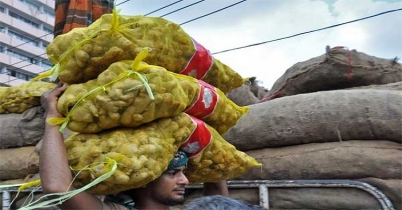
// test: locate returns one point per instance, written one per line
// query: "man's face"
(169, 188)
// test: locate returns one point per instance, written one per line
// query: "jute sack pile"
(18, 163)
(392, 188)
(351, 160)
(389, 86)
(339, 68)
(24, 129)
(334, 160)
(328, 116)
(242, 96)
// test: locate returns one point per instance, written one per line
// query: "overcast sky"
(256, 21)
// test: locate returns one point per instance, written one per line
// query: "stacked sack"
(83, 53)
(335, 116)
(140, 115)
(21, 128)
(130, 117)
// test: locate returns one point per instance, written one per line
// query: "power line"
(122, 2)
(26, 42)
(12, 65)
(23, 67)
(298, 34)
(37, 56)
(213, 12)
(163, 7)
(182, 8)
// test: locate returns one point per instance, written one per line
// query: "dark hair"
(219, 202)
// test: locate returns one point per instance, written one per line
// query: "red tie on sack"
(198, 140)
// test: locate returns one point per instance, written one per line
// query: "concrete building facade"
(26, 29)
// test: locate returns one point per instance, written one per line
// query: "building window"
(21, 76)
(22, 57)
(13, 73)
(30, 4)
(5, 71)
(46, 66)
(47, 30)
(2, 9)
(23, 38)
(14, 15)
(44, 45)
(48, 13)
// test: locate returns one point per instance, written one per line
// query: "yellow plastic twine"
(137, 65)
(21, 186)
(53, 73)
(61, 197)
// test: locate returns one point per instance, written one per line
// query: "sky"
(255, 21)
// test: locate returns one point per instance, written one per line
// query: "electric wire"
(219, 10)
(122, 2)
(163, 7)
(232, 49)
(306, 32)
(182, 8)
(12, 65)
(26, 42)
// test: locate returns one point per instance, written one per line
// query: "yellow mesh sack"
(142, 153)
(83, 53)
(131, 93)
(212, 158)
(17, 99)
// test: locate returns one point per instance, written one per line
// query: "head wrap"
(179, 159)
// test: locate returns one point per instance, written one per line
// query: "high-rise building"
(26, 28)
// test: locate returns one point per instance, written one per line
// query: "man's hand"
(49, 100)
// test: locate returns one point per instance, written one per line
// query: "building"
(26, 28)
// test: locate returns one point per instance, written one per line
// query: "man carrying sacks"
(160, 193)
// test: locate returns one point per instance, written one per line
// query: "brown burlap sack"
(336, 160)
(242, 96)
(303, 198)
(17, 163)
(24, 129)
(392, 188)
(389, 86)
(328, 116)
(339, 68)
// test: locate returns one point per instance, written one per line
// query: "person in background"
(56, 176)
(219, 202)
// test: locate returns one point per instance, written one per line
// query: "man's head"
(169, 188)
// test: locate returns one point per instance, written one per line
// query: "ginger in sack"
(17, 99)
(116, 37)
(133, 93)
(142, 153)
(211, 158)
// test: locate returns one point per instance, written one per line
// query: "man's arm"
(216, 188)
(54, 169)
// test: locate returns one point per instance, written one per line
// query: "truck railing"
(264, 185)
